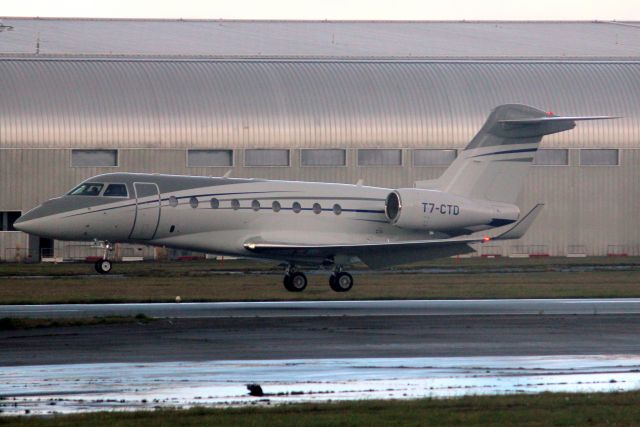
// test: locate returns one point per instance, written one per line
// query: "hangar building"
(390, 103)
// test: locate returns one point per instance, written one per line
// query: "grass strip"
(261, 287)
(546, 409)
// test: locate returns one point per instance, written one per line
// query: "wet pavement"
(71, 388)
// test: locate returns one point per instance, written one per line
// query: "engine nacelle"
(420, 209)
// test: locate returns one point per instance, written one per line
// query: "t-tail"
(495, 163)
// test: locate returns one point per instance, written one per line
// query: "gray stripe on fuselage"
(169, 183)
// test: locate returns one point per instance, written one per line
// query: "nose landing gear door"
(147, 211)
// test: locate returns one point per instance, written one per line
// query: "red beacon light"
(486, 238)
(550, 114)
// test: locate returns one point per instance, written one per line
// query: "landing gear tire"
(103, 266)
(341, 282)
(295, 282)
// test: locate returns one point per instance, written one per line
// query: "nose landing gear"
(103, 266)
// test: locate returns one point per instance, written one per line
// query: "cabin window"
(94, 158)
(235, 204)
(116, 190)
(337, 209)
(276, 206)
(7, 219)
(317, 208)
(296, 207)
(599, 157)
(209, 158)
(193, 202)
(255, 205)
(433, 157)
(173, 201)
(376, 157)
(87, 189)
(325, 157)
(551, 157)
(262, 157)
(215, 203)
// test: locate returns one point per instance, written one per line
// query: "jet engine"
(432, 210)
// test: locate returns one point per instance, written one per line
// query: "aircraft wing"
(384, 254)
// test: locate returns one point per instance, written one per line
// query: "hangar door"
(147, 211)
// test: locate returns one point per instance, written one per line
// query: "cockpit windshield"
(87, 189)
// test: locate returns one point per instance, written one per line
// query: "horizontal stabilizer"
(511, 123)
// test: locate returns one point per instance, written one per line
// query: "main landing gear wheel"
(103, 266)
(295, 282)
(341, 282)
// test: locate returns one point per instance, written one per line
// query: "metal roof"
(56, 103)
(499, 39)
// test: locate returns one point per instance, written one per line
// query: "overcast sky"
(329, 9)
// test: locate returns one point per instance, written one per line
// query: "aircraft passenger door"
(147, 211)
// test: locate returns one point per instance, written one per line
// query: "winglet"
(521, 227)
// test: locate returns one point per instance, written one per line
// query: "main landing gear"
(103, 266)
(341, 281)
(296, 281)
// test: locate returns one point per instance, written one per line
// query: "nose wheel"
(341, 281)
(103, 266)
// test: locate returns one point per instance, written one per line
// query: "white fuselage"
(221, 215)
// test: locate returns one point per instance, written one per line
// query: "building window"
(266, 157)
(333, 157)
(599, 157)
(551, 157)
(209, 158)
(7, 219)
(433, 157)
(94, 158)
(376, 157)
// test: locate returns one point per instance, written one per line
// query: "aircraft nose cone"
(23, 224)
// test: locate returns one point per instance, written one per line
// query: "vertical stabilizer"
(495, 163)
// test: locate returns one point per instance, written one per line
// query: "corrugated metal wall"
(152, 111)
(200, 104)
(255, 38)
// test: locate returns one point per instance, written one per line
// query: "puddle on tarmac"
(129, 386)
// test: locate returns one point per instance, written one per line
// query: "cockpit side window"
(116, 190)
(87, 189)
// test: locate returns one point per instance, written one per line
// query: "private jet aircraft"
(312, 223)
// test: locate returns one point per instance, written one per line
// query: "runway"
(334, 308)
(327, 329)
(327, 350)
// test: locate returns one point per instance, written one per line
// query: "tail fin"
(496, 161)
